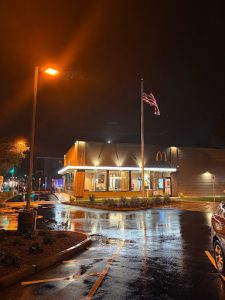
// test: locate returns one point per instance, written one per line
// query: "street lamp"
(28, 214)
(52, 72)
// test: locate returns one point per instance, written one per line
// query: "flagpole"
(142, 140)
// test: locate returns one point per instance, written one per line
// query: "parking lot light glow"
(51, 71)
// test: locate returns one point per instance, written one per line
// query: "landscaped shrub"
(110, 202)
(157, 200)
(149, 202)
(167, 199)
(35, 248)
(91, 198)
(72, 198)
(134, 202)
(145, 202)
(123, 202)
(8, 259)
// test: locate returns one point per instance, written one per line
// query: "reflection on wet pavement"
(202, 206)
(8, 218)
(161, 257)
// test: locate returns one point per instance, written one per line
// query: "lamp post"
(51, 72)
(29, 183)
(27, 218)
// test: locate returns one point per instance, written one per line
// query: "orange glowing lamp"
(51, 71)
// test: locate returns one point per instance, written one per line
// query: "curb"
(45, 263)
(108, 208)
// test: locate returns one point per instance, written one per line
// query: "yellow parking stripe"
(102, 275)
(78, 260)
(44, 280)
(213, 262)
(211, 258)
(68, 278)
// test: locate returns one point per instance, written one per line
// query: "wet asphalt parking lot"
(151, 254)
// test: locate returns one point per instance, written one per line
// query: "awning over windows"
(68, 169)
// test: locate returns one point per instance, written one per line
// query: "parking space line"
(68, 278)
(78, 260)
(44, 280)
(213, 262)
(102, 275)
(211, 258)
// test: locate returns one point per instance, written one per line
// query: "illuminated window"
(136, 181)
(118, 181)
(95, 181)
(147, 180)
(160, 184)
(69, 178)
(89, 181)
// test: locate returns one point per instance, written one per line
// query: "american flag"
(150, 99)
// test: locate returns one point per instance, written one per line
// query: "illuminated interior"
(94, 168)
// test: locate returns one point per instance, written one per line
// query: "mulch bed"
(18, 251)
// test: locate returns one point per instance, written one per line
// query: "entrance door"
(168, 186)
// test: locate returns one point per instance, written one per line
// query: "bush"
(134, 202)
(123, 202)
(35, 248)
(166, 199)
(8, 259)
(72, 198)
(48, 240)
(157, 200)
(145, 202)
(110, 202)
(91, 198)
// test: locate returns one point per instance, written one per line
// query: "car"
(218, 237)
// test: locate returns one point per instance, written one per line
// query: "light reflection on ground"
(162, 256)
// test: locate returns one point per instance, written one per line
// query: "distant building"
(113, 170)
(46, 168)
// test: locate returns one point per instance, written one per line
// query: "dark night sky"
(178, 47)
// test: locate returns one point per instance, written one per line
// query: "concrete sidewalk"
(62, 197)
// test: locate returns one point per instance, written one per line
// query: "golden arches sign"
(161, 156)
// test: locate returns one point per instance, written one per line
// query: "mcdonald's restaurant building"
(114, 170)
